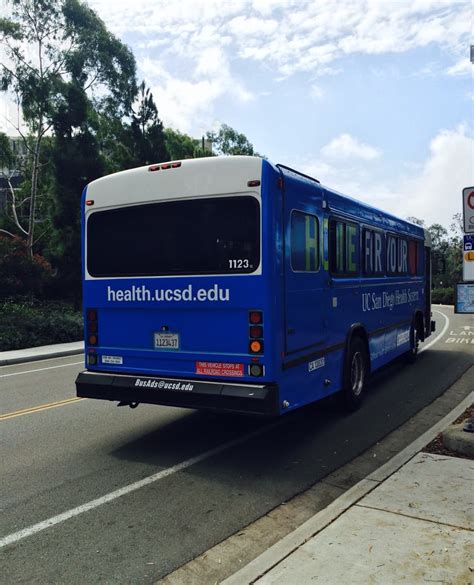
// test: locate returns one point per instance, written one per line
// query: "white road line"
(443, 331)
(16, 536)
(41, 369)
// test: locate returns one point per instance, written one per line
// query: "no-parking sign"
(468, 209)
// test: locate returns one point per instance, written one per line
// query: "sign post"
(468, 209)
(464, 291)
(468, 258)
(464, 298)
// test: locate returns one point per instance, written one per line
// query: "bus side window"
(379, 267)
(391, 255)
(336, 247)
(402, 256)
(304, 238)
(413, 257)
(352, 249)
(368, 252)
(420, 265)
(343, 248)
(397, 255)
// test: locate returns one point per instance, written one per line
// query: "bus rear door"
(305, 279)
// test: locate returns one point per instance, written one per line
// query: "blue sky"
(373, 97)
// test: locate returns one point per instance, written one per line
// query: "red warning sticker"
(220, 369)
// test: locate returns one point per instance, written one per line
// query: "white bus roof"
(202, 177)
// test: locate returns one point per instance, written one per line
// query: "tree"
(230, 142)
(147, 130)
(77, 162)
(446, 253)
(439, 236)
(415, 220)
(180, 146)
(7, 158)
(30, 39)
(55, 48)
(456, 227)
(98, 60)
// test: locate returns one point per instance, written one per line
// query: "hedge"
(443, 296)
(30, 323)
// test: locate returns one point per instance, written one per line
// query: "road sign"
(468, 209)
(468, 258)
(464, 298)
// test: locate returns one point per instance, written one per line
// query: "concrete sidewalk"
(415, 527)
(32, 354)
(411, 521)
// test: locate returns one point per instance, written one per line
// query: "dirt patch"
(436, 445)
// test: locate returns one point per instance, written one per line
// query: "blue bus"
(233, 284)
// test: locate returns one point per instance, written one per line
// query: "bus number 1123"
(239, 263)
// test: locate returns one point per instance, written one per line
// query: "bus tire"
(412, 354)
(355, 375)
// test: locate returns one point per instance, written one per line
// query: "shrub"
(443, 296)
(21, 274)
(27, 323)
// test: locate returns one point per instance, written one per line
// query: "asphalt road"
(210, 475)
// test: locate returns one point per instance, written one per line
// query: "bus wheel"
(355, 374)
(412, 354)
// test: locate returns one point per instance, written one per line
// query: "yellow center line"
(39, 408)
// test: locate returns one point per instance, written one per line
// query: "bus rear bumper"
(253, 399)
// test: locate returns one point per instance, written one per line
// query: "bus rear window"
(218, 235)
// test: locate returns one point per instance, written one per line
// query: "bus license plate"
(166, 340)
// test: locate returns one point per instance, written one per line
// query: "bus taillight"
(92, 327)
(256, 317)
(256, 333)
(256, 346)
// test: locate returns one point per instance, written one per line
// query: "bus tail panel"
(238, 398)
(213, 338)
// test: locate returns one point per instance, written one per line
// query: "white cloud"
(215, 39)
(295, 35)
(435, 193)
(242, 26)
(316, 92)
(186, 102)
(430, 190)
(346, 146)
(462, 67)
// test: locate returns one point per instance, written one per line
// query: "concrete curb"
(282, 549)
(32, 354)
(456, 439)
